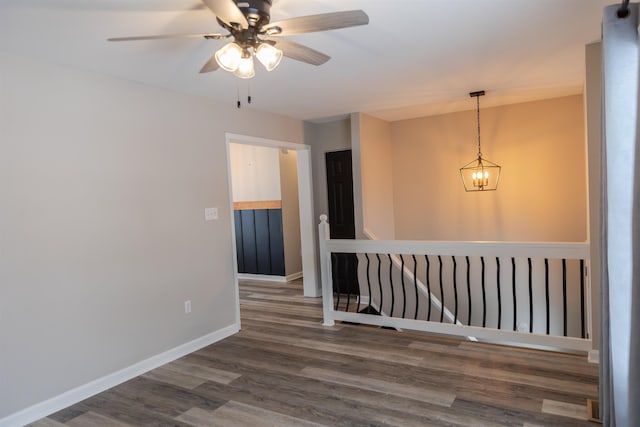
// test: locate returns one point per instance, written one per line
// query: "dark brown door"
(341, 219)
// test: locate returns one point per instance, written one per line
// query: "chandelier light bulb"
(269, 56)
(229, 57)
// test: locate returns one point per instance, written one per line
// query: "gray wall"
(593, 101)
(323, 138)
(103, 183)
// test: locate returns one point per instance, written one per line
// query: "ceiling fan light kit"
(233, 58)
(249, 23)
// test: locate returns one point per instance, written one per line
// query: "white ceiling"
(415, 58)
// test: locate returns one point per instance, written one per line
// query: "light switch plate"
(210, 214)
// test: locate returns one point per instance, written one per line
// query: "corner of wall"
(375, 177)
(593, 124)
(356, 159)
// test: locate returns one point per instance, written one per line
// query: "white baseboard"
(365, 299)
(68, 398)
(369, 234)
(262, 277)
(594, 356)
(270, 278)
(293, 276)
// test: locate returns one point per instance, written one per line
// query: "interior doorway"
(344, 266)
(264, 183)
(308, 239)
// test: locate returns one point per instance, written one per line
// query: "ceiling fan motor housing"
(258, 12)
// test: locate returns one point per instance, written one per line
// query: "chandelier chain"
(478, 114)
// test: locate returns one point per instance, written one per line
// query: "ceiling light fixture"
(480, 174)
(238, 59)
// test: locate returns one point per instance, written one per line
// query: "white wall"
(255, 173)
(103, 184)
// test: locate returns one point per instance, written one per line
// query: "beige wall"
(290, 211)
(542, 193)
(376, 153)
(103, 185)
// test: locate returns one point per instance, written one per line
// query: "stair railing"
(534, 294)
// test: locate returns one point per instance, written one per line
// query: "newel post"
(325, 271)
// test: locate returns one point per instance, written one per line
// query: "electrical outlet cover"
(210, 214)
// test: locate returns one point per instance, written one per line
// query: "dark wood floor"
(285, 369)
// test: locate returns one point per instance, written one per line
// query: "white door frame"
(305, 194)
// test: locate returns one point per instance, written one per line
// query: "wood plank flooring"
(285, 369)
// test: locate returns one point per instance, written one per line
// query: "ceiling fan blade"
(301, 53)
(227, 11)
(321, 22)
(211, 65)
(168, 36)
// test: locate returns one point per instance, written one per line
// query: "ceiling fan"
(248, 22)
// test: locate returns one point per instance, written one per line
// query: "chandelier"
(480, 174)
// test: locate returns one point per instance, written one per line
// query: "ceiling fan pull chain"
(249, 93)
(238, 94)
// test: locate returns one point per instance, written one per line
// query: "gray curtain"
(620, 302)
